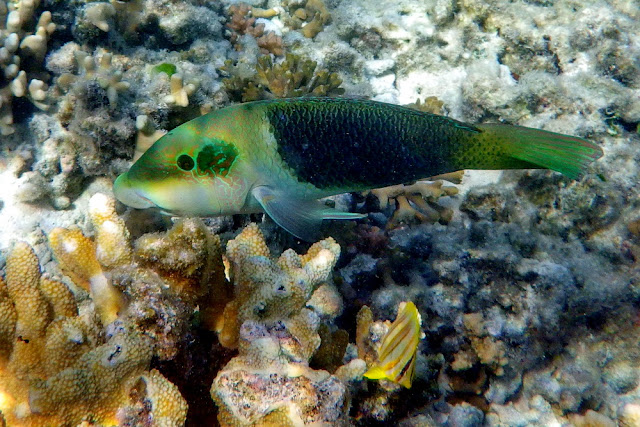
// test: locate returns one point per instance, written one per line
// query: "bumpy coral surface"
(56, 367)
(270, 381)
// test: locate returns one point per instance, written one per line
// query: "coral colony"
(500, 298)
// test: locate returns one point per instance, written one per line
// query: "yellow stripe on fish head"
(186, 172)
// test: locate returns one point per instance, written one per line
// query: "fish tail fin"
(540, 149)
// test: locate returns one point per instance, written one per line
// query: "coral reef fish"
(397, 352)
(281, 156)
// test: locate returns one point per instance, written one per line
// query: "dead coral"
(242, 21)
(293, 77)
(484, 349)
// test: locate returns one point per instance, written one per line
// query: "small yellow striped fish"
(397, 354)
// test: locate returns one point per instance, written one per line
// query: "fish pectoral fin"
(300, 217)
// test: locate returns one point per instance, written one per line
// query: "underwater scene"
(319, 212)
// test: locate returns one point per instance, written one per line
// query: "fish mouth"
(129, 195)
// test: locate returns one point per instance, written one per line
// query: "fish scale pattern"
(353, 143)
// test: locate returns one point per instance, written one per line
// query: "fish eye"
(185, 162)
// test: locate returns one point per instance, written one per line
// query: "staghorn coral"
(55, 367)
(292, 77)
(276, 336)
(22, 56)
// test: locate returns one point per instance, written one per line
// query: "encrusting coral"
(270, 381)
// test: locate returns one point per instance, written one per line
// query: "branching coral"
(270, 381)
(265, 290)
(241, 22)
(418, 202)
(292, 77)
(99, 69)
(308, 16)
(156, 285)
(21, 57)
(55, 368)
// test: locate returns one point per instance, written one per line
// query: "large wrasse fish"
(399, 346)
(281, 156)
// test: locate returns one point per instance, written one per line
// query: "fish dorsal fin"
(300, 217)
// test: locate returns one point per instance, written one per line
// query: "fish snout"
(129, 194)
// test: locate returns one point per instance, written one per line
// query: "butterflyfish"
(398, 348)
(281, 156)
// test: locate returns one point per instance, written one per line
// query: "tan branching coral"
(296, 77)
(55, 368)
(292, 77)
(157, 285)
(266, 289)
(276, 336)
(180, 92)
(431, 104)
(83, 259)
(189, 257)
(308, 16)
(100, 14)
(76, 255)
(242, 21)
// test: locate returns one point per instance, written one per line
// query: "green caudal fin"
(566, 154)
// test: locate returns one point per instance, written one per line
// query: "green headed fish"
(281, 156)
